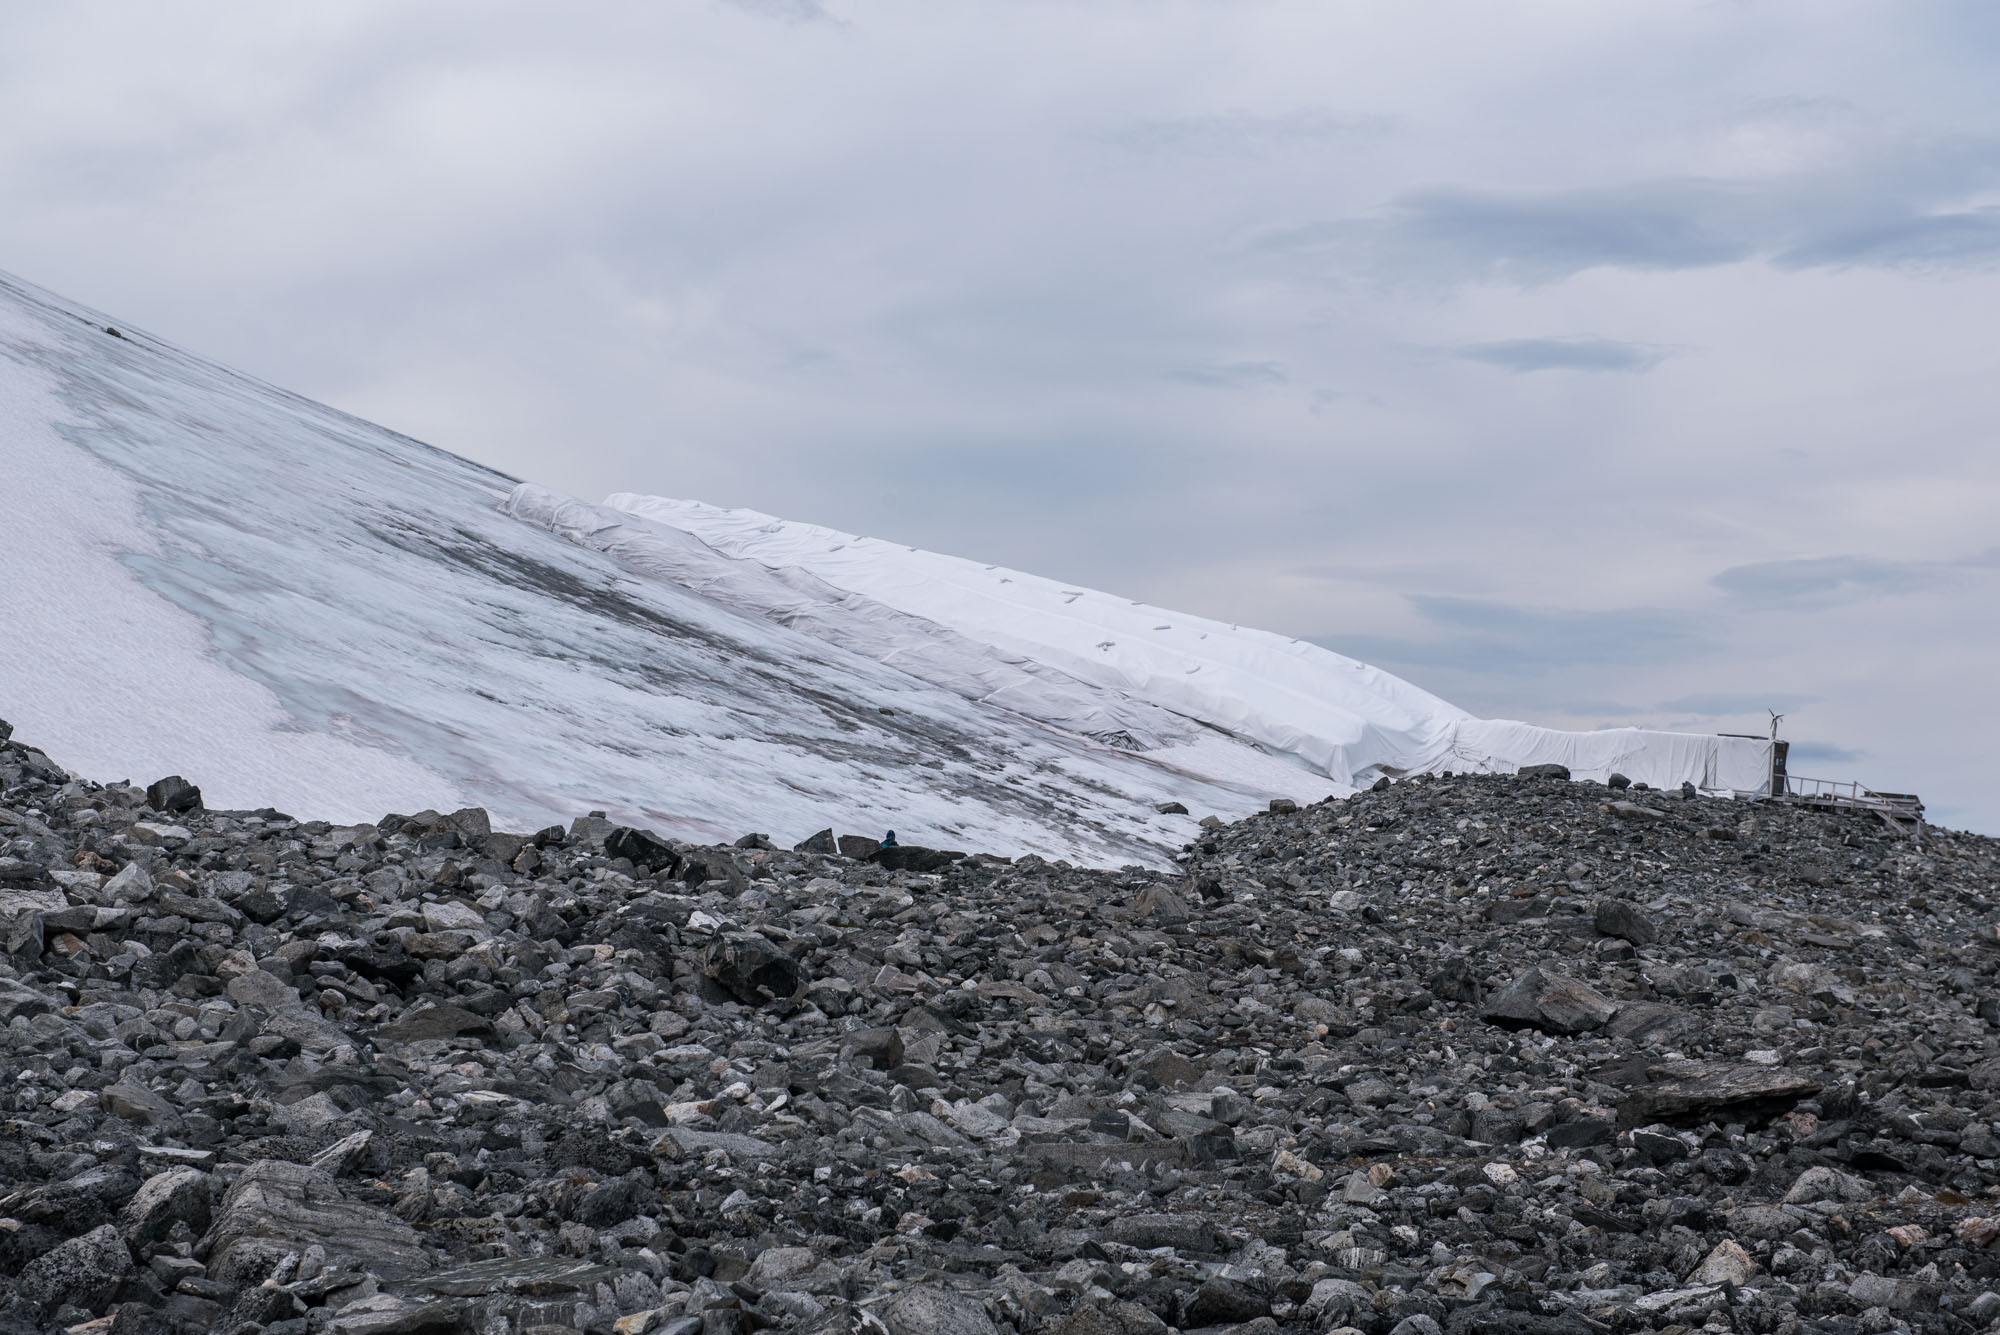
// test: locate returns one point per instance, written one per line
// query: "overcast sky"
(1585, 363)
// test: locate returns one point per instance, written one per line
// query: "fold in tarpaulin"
(1109, 667)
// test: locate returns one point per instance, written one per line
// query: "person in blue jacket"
(889, 839)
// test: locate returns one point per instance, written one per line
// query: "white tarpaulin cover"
(1342, 718)
(347, 622)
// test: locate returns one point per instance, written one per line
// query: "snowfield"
(206, 575)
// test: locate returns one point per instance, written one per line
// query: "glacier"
(203, 574)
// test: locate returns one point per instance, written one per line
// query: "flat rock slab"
(291, 1204)
(1552, 1002)
(1696, 1091)
(927, 1309)
(1095, 1160)
(743, 1149)
(434, 1022)
(532, 1276)
(16, 999)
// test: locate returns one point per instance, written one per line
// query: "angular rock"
(1726, 1263)
(880, 1048)
(434, 1022)
(753, 970)
(1698, 1090)
(818, 845)
(1189, 1234)
(1455, 982)
(177, 1196)
(1224, 1302)
(173, 795)
(910, 857)
(18, 999)
(275, 1204)
(1616, 918)
(646, 850)
(1824, 1183)
(257, 988)
(928, 1309)
(1551, 1002)
(136, 1103)
(84, 1272)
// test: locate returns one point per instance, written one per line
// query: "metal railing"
(1838, 793)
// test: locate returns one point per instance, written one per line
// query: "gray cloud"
(787, 11)
(1485, 635)
(1232, 375)
(1823, 753)
(1237, 133)
(1650, 225)
(1819, 579)
(1826, 580)
(1967, 239)
(1894, 204)
(1721, 704)
(1564, 354)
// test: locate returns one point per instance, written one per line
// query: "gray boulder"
(290, 1205)
(85, 1271)
(1625, 921)
(927, 1309)
(179, 1195)
(1551, 1002)
(173, 795)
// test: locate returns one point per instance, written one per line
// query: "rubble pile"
(1460, 1054)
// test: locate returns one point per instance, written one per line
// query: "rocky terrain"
(1459, 1054)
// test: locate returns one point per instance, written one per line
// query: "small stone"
(450, 915)
(434, 1022)
(1822, 1183)
(1726, 1263)
(1190, 1235)
(136, 1103)
(645, 850)
(880, 1048)
(173, 795)
(1616, 918)
(132, 885)
(177, 1196)
(753, 970)
(257, 988)
(1220, 1301)
(818, 845)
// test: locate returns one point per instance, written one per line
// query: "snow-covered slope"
(1341, 719)
(202, 574)
(206, 575)
(1338, 716)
